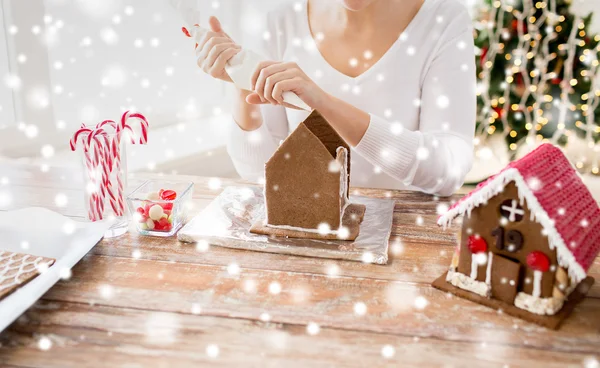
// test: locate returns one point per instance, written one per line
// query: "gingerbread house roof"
(558, 199)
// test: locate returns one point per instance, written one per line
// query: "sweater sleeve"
(436, 158)
(250, 150)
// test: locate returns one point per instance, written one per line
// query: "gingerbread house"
(529, 234)
(306, 185)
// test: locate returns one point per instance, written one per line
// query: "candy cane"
(99, 138)
(89, 164)
(103, 153)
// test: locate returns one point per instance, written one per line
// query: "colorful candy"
(157, 216)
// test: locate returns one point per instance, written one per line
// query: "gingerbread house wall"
(484, 219)
(300, 190)
(321, 128)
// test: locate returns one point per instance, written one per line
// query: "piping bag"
(241, 67)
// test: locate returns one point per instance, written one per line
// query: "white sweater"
(420, 96)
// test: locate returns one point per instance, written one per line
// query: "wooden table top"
(141, 301)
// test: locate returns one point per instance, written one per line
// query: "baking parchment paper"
(227, 220)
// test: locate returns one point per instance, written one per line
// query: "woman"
(396, 80)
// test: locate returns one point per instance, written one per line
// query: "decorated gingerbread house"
(529, 234)
(306, 185)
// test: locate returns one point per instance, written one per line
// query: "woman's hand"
(271, 79)
(214, 50)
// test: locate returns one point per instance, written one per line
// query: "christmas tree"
(537, 69)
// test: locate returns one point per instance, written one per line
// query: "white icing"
(465, 282)
(15, 265)
(308, 230)
(537, 305)
(565, 258)
(474, 266)
(342, 153)
(513, 210)
(537, 283)
(488, 271)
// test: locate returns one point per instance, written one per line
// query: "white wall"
(6, 99)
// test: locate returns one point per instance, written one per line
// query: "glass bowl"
(156, 213)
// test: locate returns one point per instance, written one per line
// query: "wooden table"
(140, 301)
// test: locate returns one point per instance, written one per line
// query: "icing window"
(511, 210)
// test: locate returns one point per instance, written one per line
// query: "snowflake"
(353, 62)
(196, 309)
(129, 10)
(215, 5)
(368, 54)
(591, 362)
(397, 247)
(106, 291)
(136, 254)
(584, 223)
(411, 50)
(214, 183)
(139, 43)
(332, 270)
(47, 151)
(481, 258)
(419, 220)
(441, 208)
(21, 58)
(422, 153)
(343, 232)
(360, 309)
(265, 317)
(65, 273)
(442, 102)
(44, 343)
(274, 288)
(109, 36)
(13, 29)
(169, 70)
(420, 302)
(250, 286)
(69, 227)
(324, 228)
(25, 245)
(313, 328)
(534, 183)
(396, 128)
(368, 257)
(61, 200)
(13, 81)
(380, 77)
(233, 269)
(388, 351)
(202, 246)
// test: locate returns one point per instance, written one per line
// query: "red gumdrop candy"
(147, 208)
(167, 206)
(141, 211)
(162, 225)
(186, 32)
(538, 261)
(160, 192)
(477, 244)
(168, 195)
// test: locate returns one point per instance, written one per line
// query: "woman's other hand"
(214, 50)
(272, 78)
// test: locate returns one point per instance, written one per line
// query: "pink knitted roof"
(562, 203)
